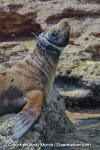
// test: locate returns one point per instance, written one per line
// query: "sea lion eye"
(54, 34)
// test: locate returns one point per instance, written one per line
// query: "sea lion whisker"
(34, 34)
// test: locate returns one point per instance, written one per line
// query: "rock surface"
(12, 52)
(79, 74)
(16, 20)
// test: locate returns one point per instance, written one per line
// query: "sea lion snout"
(59, 34)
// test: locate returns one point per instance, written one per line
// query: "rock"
(86, 138)
(29, 15)
(15, 20)
(80, 68)
(53, 121)
(87, 133)
(12, 52)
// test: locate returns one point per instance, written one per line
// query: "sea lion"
(28, 83)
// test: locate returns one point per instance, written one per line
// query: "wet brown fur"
(29, 82)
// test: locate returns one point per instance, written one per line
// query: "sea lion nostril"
(54, 34)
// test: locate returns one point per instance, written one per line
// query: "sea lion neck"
(45, 64)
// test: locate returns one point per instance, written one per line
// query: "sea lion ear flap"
(29, 114)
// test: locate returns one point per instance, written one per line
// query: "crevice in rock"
(77, 93)
(94, 50)
(71, 12)
(44, 0)
(69, 81)
(14, 24)
(90, 1)
(14, 7)
(86, 102)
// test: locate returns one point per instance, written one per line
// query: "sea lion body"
(30, 80)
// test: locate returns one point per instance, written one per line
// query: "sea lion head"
(55, 39)
(59, 34)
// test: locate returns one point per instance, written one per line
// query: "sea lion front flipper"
(29, 114)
